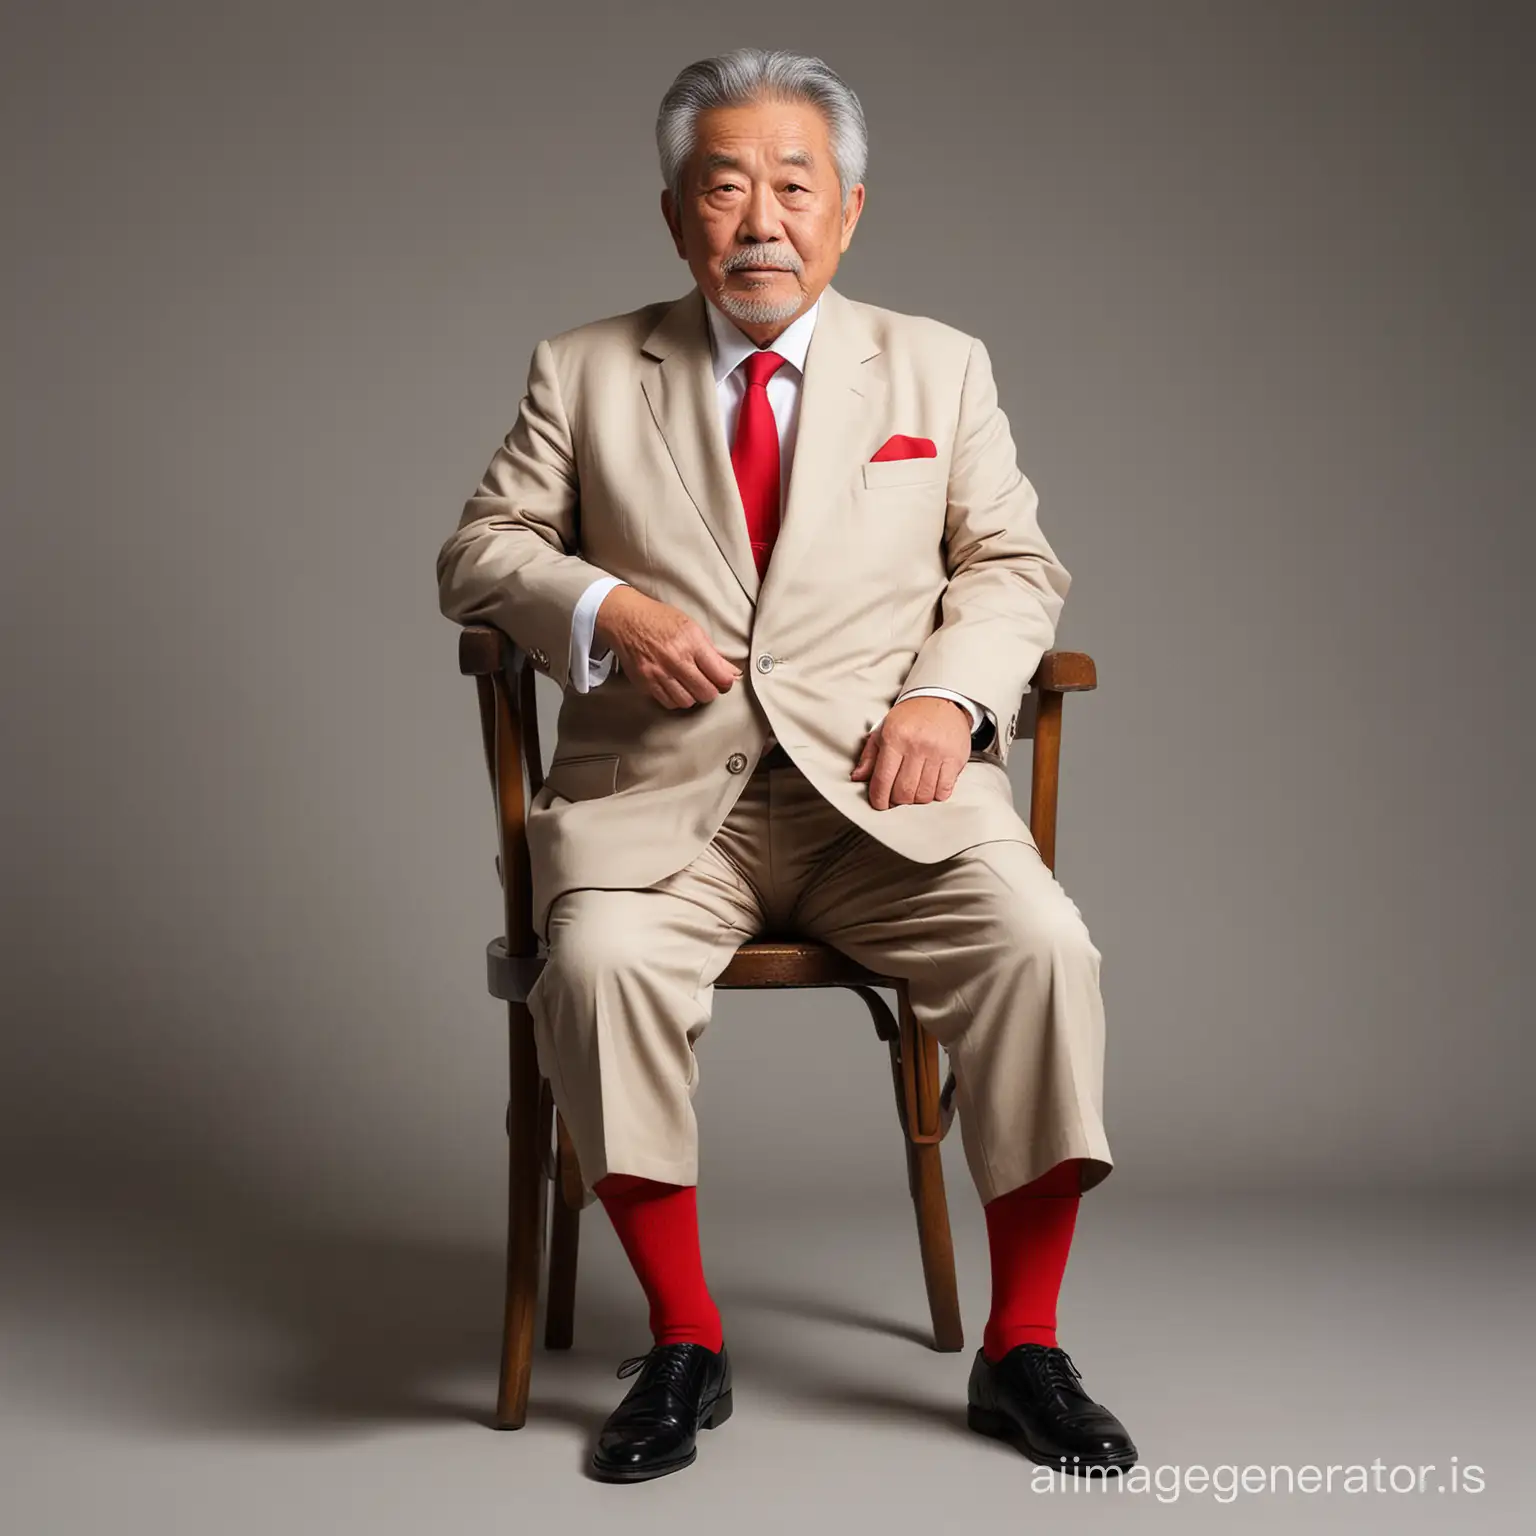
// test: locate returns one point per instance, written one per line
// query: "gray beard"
(757, 311)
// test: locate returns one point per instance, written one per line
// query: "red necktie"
(755, 457)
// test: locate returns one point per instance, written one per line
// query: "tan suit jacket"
(884, 576)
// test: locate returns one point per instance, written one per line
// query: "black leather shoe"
(682, 1388)
(1034, 1399)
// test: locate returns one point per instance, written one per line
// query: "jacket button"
(736, 761)
(765, 663)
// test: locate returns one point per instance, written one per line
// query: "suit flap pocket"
(584, 778)
(886, 472)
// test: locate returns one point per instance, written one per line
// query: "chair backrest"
(509, 728)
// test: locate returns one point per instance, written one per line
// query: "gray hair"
(746, 75)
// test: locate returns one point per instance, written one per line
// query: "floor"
(231, 1376)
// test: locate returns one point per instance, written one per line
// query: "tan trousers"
(1000, 966)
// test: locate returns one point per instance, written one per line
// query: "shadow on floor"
(212, 1310)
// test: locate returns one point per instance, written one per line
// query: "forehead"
(765, 134)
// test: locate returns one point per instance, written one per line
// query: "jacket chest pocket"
(896, 521)
(903, 473)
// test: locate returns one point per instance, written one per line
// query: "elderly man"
(775, 547)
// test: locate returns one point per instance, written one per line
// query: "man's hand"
(662, 649)
(916, 753)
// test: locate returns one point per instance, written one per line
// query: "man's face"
(761, 222)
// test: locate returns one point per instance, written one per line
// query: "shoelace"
(1057, 1369)
(671, 1364)
(1063, 1368)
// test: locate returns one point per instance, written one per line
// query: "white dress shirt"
(730, 348)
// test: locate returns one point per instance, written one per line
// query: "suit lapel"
(684, 400)
(840, 406)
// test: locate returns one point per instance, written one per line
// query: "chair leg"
(564, 1237)
(528, 1127)
(938, 1247)
(918, 1102)
(922, 1113)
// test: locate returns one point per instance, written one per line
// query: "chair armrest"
(509, 731)
(1066, 672)
(482, 650)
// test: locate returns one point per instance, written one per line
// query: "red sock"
(1029, 1233)
(658, 1225)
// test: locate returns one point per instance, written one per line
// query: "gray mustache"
(777, 257)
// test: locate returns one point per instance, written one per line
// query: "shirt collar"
(731, 346)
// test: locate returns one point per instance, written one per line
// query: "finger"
(949, 771)
(866, 757)
(887, 766)
(904, 786)
(667, 690)
(716, 668)
(927, 781)
(693, 682)
(870, 754)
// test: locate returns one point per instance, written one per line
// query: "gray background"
(1255, 279)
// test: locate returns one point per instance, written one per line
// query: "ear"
(674, 222)
(851, 211)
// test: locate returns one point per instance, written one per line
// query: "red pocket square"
(902, 447)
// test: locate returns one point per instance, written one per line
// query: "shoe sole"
(719, 1411)
(998, 1426)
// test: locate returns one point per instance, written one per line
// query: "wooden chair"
(540, 1148)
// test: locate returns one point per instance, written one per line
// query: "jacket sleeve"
(1006, 587)
(512, 560)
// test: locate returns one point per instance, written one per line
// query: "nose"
(760, 217)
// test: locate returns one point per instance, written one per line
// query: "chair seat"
(786, 961)
(766, 961)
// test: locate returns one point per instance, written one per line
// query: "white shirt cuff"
(586, 670)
